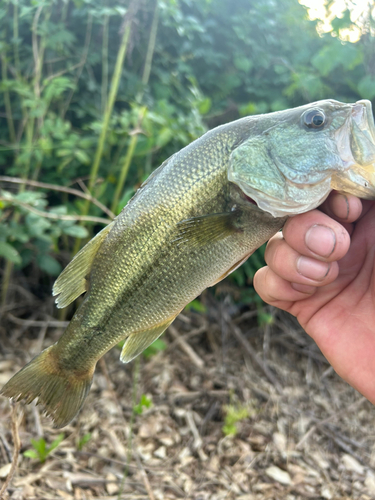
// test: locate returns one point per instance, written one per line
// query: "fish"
(197, 218)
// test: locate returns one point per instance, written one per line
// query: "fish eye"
(314, 119)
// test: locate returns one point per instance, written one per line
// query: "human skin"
(321, 270)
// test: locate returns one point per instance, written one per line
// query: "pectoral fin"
(139, 341)
(72, 282)
(204, 229)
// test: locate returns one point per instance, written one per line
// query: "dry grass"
(308, 436)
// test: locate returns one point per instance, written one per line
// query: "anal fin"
(139, 341)
(72, 282)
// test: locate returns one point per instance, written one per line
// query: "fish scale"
(196, 218)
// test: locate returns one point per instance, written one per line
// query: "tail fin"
(60, 392)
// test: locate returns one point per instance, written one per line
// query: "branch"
(48, 215)
(36, 54)
(60, 73)
(197, 360)
(54, 187)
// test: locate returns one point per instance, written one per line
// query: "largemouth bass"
(196, 219)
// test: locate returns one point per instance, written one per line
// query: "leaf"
(196, 305)
(82, 156)
(30, 454)
(144, 402)
(56, 86)
(335, 54)
(37, 225)
(30, 197)
(10, 253)
(39, 445)
(76, 231)
(49, 264)
(204, 106)
(55, 443)
(157, 346)
(125, 198)
(163, 137)
(84, 440)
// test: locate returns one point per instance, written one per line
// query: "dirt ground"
(231, 411)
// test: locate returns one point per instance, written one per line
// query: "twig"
(63, 189)
(48, 215)
(327, 372)
(197, 444)
(300, 349)
(60, 73)
(198, 362)
(146, 482)
(251, 352)
(266, 342)
(6, 447)
(189, 335)
(30, 322)
(342, 445)
(16, 450)
(321, 424)
(245, 315)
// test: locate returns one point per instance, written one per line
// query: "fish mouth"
(356, 148)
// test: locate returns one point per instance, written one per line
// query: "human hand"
(321, 270)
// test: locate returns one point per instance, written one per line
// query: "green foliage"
(196, 305)
(31, 236)
(157, 346)
(235, 413)
(212, 62)
(144, 402)
(264, 318)
(41, 450)
(84, 440)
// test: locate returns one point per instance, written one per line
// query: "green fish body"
(196, 218)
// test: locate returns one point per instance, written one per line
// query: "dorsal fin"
(72, 282)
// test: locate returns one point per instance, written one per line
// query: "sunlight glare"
(317, 10)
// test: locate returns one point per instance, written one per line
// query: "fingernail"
(321, 240)
(347, 207)
(339, 204)
(312, 269)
